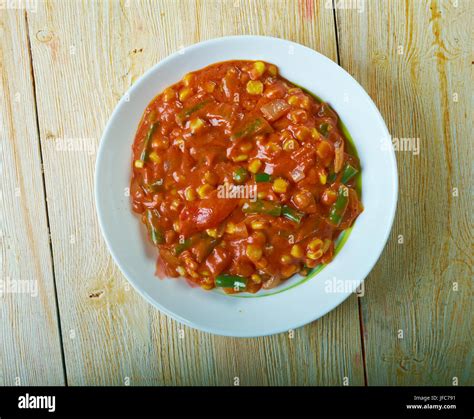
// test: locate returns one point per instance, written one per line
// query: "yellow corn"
(316, 244)
(204, 190)
(255, 165)
(315, 134)
(323, 177)
(240, 157)
(209, 86)
(187, 79)
(280, 185)
(212, 232)
(184, 93)
(254, 87)
(258, 225)
(196, 124)
(230, 228)
(293, 100)
(246, 147)
(261, 195)
(169, 94)
(139, 164)
(254, 253)
(190, 194)
(181, 271)
(154, 157)
(315, 255)
(256, 278)
(296, 251)
(259, 68)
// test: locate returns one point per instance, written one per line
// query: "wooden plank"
(85, 57)
(414, 59)
(30, 350)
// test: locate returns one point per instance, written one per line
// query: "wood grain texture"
(85, 56)
(30, 350)
(415, 60)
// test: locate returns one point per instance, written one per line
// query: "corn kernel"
(296, 251)
(259, 68)
(255, 165)
(316, 244)
(230, 228)
(212, 232)
(254, 252)
(240, 157)
(256, 278)
(196, 124)
(246, 147)
(323, 177)
(315, 134)
(204, 190)
(254, 87)
(209, 86)
(139, 164)
(272, 70)
(181, 271)
(315, 255)
(258, 225)
(154, 157)
(261, 195)
(206, 286)
(187, 79)
(190, 194)
(273, 147)
(280, 185)
(293, 100)
(169, 94)
(286, 259)
(184, 93)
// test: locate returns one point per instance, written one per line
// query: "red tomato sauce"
(241, 178)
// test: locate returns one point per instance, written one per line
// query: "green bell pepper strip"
(181, 247)
(250, 129)
(323, 129)
(231, 281)
(332, 177)
(262, 207)
(156, 234)
(292, 214)
(146, 142)
(262, 177)
(240, 175)
(186, 113)
(339, 207)
(348, 173)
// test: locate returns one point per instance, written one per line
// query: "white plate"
(213, 311)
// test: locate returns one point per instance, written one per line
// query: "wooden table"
(65, 64)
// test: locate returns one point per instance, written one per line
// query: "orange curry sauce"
(241, 178)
